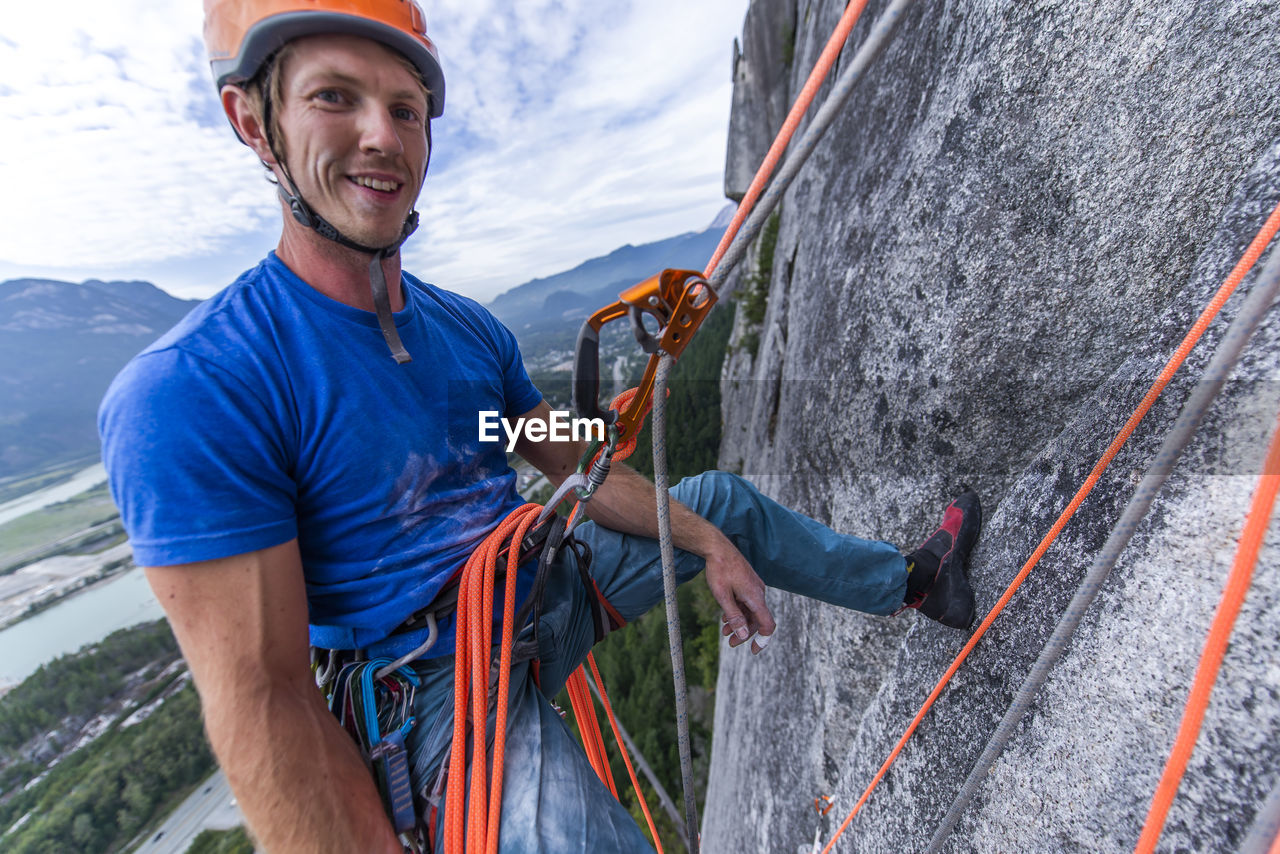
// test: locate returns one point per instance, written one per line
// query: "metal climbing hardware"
(599, 459)
(377, 711)
(391, 765)
(679, 300)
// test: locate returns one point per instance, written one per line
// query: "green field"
(54, 522)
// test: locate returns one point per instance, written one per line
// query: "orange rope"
(1215, 646)
(584, 712)
(474, 640)
(819, 73)
(1228, 287)
(474, 829)
(628, 446)
(626, 759)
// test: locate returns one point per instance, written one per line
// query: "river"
(84, 618)
(81, 481)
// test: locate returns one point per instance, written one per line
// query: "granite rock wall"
(1017, 216)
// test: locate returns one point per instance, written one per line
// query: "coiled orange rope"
(473, 824)
(1215, 646)
(1246, 263)
(471, 687)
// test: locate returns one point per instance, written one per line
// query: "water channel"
(81, 481)
(84, 618)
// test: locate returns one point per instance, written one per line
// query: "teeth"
(375, 184)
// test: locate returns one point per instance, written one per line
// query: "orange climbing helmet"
(242, 34)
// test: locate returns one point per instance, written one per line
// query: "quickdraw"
(377, 711)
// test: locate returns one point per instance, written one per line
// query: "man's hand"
(740, 594)
(626, 503)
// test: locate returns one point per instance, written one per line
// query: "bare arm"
(627, 503)
(242, 625)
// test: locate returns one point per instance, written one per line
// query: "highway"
(209, 807)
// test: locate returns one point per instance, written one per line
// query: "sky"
(570, 128)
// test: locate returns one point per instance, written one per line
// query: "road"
(209, 807)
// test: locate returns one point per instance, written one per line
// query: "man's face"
(353, 126)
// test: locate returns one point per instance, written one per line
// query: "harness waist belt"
(413, 630)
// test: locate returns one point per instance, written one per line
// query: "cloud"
(570, 128)
(102, 163)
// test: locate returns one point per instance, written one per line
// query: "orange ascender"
(679, 300)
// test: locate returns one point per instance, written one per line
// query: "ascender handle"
(679, 300)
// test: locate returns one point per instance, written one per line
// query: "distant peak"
(725, 216)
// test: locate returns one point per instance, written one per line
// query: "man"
(285, 479)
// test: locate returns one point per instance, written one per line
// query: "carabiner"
(600, 465)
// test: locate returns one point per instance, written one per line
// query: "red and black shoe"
(937, 572)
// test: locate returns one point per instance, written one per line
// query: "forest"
(101, 796)
(76, 685)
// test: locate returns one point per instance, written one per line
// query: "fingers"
(739, 630)
(741, 594)
(735, 628)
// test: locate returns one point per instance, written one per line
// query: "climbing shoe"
(937, 572)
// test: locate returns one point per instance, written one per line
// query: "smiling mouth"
(375, 184)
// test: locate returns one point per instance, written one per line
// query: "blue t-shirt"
(272, 412)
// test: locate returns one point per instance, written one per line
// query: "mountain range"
(62, 343)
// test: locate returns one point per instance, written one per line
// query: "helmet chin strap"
(307, 216)
(303, 213)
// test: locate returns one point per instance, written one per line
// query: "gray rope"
(660, 483)
(799, 151)
(1220, 366)
(1266, 826)
(630, 746)
(768, 200)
